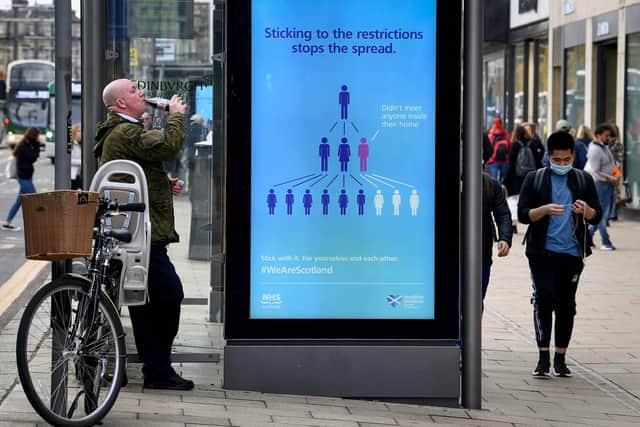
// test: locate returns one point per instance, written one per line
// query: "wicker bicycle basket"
(58, 224)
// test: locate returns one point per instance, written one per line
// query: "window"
(543, 86)
(632, 119)
(574, 59)
(519, 86)
(493, 88)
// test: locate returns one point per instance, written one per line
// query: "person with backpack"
(557, 202)
(500, 145)
(521, 162)
(26, 153)
(495, 212)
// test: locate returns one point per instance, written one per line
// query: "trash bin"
(200, 196)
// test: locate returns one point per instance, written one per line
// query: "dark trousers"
(155, 324)
(555, 282)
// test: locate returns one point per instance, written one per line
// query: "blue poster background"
(375, 257)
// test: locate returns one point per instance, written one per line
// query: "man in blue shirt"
(557, 202)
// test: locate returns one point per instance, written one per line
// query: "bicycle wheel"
(70, 363)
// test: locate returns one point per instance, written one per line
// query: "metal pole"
(472, 206)
(94, 46)
(62, 170)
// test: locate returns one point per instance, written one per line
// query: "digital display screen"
(343, 159)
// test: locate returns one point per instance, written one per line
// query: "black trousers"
(155, 324)
(555, 279)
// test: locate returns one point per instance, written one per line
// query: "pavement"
(604, 356)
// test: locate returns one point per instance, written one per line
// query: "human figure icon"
(343, 100)
(378, 202)
(414, 202)
(395, 201)
(363, 153)
(343, 201)
(271, 201)
(306, 202)
(344, 154)
(360, 199)
(325, 202)
(323, 151)
(289, 201)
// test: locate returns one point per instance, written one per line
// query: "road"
(12, 243)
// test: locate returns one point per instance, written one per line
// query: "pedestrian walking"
(500, 145)
(557, 202)
(583, 139)
(617, 150)
(26, 153)
(122, 136)
(495, 212)
(76, 157)
(600, 165)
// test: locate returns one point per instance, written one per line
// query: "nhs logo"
(394, 300)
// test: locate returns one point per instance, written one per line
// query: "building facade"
(28, 32)
(572, 59)
(515, 62)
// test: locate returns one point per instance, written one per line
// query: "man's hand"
(581, 207)
(553, 209)
(177, 105)
(176, 186)
(503, 248)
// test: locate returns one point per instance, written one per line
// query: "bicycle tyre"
(89, 362)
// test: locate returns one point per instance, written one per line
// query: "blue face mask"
(560, 170)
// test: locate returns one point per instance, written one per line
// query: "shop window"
(632, 119)
(574, 79)
(519, 87)
(543, 86)
(493, 88)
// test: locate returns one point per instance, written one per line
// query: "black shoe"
(174, 382)
(515, 229)
(560, 367)
(542, 369)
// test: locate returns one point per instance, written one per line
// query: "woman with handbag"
(26, 153)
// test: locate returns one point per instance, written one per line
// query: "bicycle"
(71, 352)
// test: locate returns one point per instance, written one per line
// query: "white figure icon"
(395, 200)
(414, 202)
(378, 202)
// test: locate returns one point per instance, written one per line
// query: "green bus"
(76, 115)
(27, 99)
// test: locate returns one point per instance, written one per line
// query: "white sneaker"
(607, 248)
(10, 227)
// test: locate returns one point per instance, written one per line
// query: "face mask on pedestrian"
(560, 170)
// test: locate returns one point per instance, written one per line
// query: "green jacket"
(118, 138)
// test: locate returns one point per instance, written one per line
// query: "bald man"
(122, 136)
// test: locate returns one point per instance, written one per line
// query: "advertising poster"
(343, 159)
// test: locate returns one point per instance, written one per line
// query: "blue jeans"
(26, 187)
(498, 171)
(605, 195)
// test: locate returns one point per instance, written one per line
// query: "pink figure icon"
(363, 153)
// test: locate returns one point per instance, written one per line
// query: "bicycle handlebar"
(131, 207)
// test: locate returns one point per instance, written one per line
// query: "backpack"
(525, 162)
(500, 148)
(11, 169)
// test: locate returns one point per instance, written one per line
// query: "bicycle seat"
(120, 235)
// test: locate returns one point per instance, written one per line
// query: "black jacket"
(26, 156)
(496, 204)
(536, 235)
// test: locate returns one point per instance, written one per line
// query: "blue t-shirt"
(560, 233)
